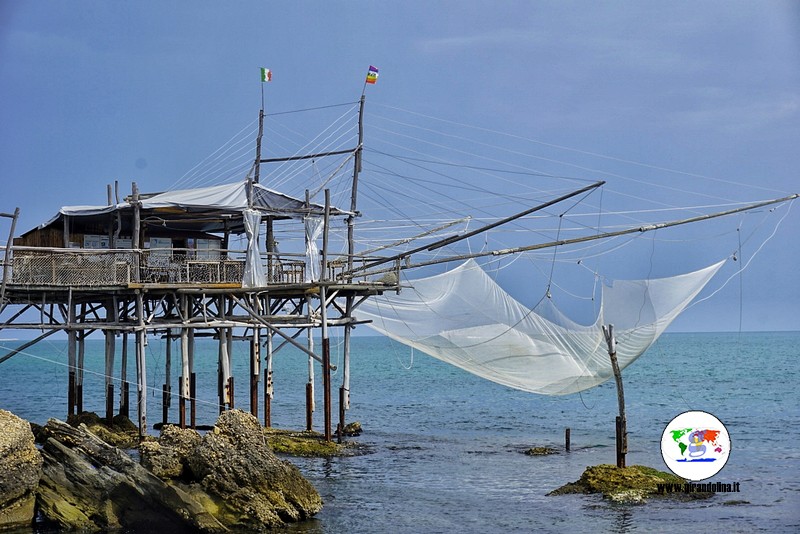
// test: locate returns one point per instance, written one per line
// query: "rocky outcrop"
(121, 433)
(168, 457)
(251, 487)
(227, 480)
(633, 484)
(20, 469)
(91, 486)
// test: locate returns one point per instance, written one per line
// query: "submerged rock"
(20, 469)
(306, 443)
(633, 484)
(541, 451)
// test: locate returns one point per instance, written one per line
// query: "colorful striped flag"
(372, 74)
(266, 75)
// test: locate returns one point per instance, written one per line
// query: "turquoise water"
(444, 448)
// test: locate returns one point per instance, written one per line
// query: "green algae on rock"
(306, 443)
(631, 484)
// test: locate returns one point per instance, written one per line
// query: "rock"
(227, 480)
(631, 484)
(352, 429)
(541, 451)
(168, 457)
(251, 487)
(306, 443)
(91, 486)
(20, 469)
(122, 433)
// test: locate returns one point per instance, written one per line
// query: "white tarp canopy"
(226, 198)
(464, 318)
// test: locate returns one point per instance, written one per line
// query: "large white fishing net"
(464, 318)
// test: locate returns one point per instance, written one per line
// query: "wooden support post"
(167, 387)
(181, 405)
(183, 386)
(344, 391)
(229, 368)
(222, 362)
(164, 404)
(110, 349)
(342, 424)
(123, 378)
(141, 367)
(110, 404)
(255, 368)
(72, 356)
(193, 400)
(326, 345)
(79, 370)
(309, 404)
(566, 439)
(268, 385)
(192, 382)
(621, 423)
(125, 403)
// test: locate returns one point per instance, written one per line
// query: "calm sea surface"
(444, 449)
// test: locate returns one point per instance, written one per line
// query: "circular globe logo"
(695, 445)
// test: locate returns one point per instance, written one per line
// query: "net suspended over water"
(464, 318)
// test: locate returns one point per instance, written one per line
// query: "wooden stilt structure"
(621, 421)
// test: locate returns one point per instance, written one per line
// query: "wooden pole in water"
(621, 422)
(81, 365)
(110, 349)
(192, 381)
(124, 398)
(255, 363)
(310, 382)
(268, 386)
(183, 387)
(72, 355)
(326, 346)
(166, 390)
(141, 368)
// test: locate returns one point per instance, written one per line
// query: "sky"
(673, 104)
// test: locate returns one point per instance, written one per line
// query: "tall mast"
(354, 190)
(258, 144)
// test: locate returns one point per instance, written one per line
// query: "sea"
(444, 451)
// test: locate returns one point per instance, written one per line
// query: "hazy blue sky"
(142, 91)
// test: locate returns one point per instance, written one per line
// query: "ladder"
(6, 258)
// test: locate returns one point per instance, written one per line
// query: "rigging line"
(341, 165)
(745, 266)
(585, 152)
(475, 167)
(589, 169)
(481, 210)
(461, 185)
(741, 287)
(180, 180)
(335, 125)
(276, 113)
(219, 175)
(496, 147)
(471, 154)
(553, 262)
